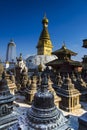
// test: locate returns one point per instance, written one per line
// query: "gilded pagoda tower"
(44, 46)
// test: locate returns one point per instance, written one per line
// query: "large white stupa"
(44, 49)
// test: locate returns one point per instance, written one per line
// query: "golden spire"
(44, 45)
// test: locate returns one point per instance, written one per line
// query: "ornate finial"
(64, 45)
(44, 79)
(44, 83)
(20, 57)
(45, 21)
(20, 54)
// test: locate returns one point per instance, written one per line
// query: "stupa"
(57, 99)
(58, 81)
(44, 49)
(20, 66)
(81, 85)
(24, 79)
(43, 114)
(7, 116)
(69, 95)
(11, 55)
(10, 81)
(31, 90)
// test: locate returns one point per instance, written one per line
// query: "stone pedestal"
(8, 120)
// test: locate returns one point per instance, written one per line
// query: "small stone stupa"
(7, 116)
(31, 90)
(81, 85)
(43, 114)
(57, 99)
(70, 95)
(10, 78)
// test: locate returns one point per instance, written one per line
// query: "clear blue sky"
(21, 20)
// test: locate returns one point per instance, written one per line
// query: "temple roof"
(60, 62)
(64, 50)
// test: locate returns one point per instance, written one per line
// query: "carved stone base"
(7, 121)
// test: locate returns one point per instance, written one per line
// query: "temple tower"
(44, 46)
(11, 52)
(64, 64)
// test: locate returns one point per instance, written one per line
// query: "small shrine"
(43, 114)
(81, 85)
(19, 70)
(57, 99)
(31, 89)
(69, 95)
(64, 64)
(58, 81)
(24, 79)
(10, 81)
(7, 116)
